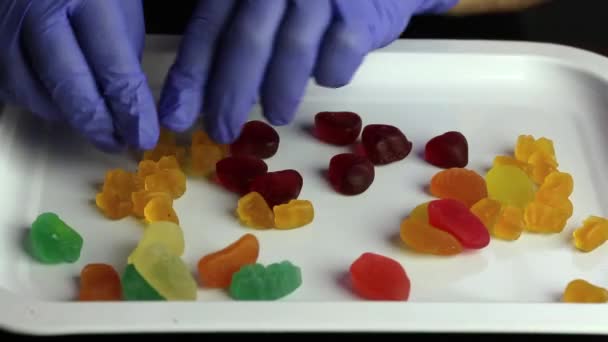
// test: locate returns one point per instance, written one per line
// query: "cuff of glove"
(436, 6)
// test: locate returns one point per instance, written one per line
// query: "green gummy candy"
(52, 241)
(135, 287)
(256, 282)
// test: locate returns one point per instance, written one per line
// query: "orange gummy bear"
(592, 234)
(541, 218)
(166, 146)
(582, 291)
(112, 205)
(459, 184)
(543, 164)
(420, 236)
(160, 208)
(215, 270)
(294, 214)
(141, 198)
(503, 221)
(254, 212)
(171, 181)
(99, 282)
(204, 158)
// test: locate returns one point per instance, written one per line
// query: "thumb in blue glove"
(234, 51)
(78, 61)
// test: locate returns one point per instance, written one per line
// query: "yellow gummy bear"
(509, 185)
(526, 146)
(167, 233)
(503, 222)
(541, 218)
(592, 234)
(295, 214)
(254, 212)
(582, 291)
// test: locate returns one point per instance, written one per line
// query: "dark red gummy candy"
(455, 218)
(447, 150)
(237, 173)
(257, 139)
(278, 187)
(385, 144)
(376, 277)
(350, 174)
(338, 128)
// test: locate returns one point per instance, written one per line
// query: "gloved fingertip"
(333, 79)
(107, 143)
(280, 112)
(178, 109)
(148, 138)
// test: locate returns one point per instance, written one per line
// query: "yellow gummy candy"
(296, 213)
(509, 185)
(503, 222)
(592, 234)
(541, 218)
(582, 291)
(421, 212)
(167, 233)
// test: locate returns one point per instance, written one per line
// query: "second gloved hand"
(234, 51)
(78, 61)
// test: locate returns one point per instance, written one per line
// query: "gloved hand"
(234, 51)
(78, 61)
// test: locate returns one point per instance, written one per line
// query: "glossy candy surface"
(421, 237)
(592, 234)
(582, 291)
(259, 282)
(135, 287)
(257, 139)
(237, 173)
(385, 144)
(278, 187)
(253, 211)
(53, 241)
(460, 184)
(377, 277)
(215, 270)
(167, 233)
(541, 218)
(509, 185)
(447, 150)
(295, 214)
(338, 128)
(99, 282)
(350, 174)
(456, 218)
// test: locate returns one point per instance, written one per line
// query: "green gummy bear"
(52, 241)
(135, 287)
(256, 282)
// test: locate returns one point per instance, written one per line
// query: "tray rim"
(27, 316)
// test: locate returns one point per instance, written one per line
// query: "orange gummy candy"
(459, 184)
(204, 158)
(527, 145)
(99, 282)
(171, 181)
(141, 198)
(541, 218)
(592, 234)
(503, 221)
(543, 164)
(112, 205)
(421, 212)
(420, 236)
(294, 214)
(216, 269)
(160, 208)
(582, 291)
(166, 146)
(254, 212)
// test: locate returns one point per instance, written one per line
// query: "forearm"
(488, 6)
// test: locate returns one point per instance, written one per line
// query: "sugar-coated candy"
(273, 282)
(582, 291)
(421, 237)
(114, 200)
(135, 287)
(294, 214)
(160, 208)
(420, 212)
(165, 271)
(503, 221)
(592, 234)
(338, 128)
(508, 160)
(460, 184)
(541, 218)
(215, 270)
(253, 211)
(141, 198)
(99, 282)
(385, 144)
(204, 158)
(350, 174)
(237, 173)
(509, 185)
(455, 218)
(171, 181)
(166, 147)
(167, 233)
(377, 277)
(53, 241)
(278, 187)
(447, 150)
(257, 139)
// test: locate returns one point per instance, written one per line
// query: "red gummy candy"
(350, 174)
(447, 150)
(457, 219)
(385, 144)
(278, 187)
(338, 128)
(376, 277)
(257, 139)
(237, 173)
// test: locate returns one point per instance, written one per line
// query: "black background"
(580, 23)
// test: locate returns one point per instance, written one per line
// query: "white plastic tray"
(491, 91)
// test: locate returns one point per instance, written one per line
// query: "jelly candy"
(166, 146)
(487, 210)
(421, 212)
(167, 233)
(114, 200)
(582, 291)
(237, 173)
(52, 241)
(541, 218)
(526, 146)
(385, 144)
(216, 269)
(350, 174)
(171, 181)
(254, 212)
(510, 186)
(592, 234)
(447, 150)
(557, 184)
(459, 184)
(542, 166)
(376, 277)
(204, 159)
(257, 139)
(99, 282)
(256, 282)
(420, 236)
(135, 287)
(508, 160)
(338, 128)
(456, 218)
(141, 198)
(503, 222)
(295, 214)
(160, 208)
(165, 272)
(278, 187)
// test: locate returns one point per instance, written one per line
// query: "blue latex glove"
(78, 61)
(234, 51)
